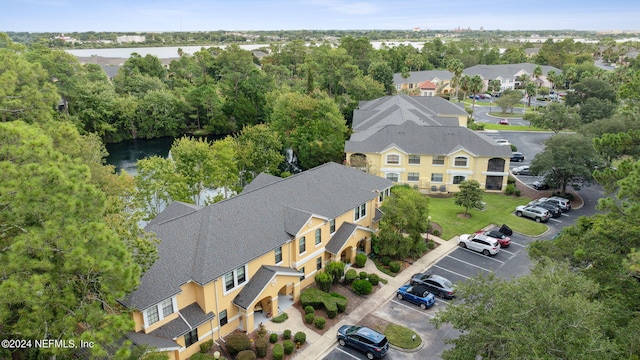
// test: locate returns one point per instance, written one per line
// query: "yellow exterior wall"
(476, 169)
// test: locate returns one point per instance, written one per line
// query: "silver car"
(533, 212)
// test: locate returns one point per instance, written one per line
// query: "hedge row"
(318, 299)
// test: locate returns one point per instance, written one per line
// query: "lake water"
(172, 51)
(125, 155)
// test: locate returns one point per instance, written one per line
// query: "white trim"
(495, 173)
(453, 164)
(459, 172)
(386, 159)
(145, 318)
(235, 280)
(394, 170)
(308, 258)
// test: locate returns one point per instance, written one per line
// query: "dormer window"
(159, 311)
(460, 161)
(393, 159)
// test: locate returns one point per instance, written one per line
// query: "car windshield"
(447, 283)
(382, 342)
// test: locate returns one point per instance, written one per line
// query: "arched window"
(460, 161)
(496, 165)
(458, 179)
(393, 159)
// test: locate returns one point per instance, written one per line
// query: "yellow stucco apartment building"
(423, 141)
(236, 263)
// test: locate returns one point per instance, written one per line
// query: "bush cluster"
(201, 356)
(361, 260)
(394, 266)
(374, 279)
(237, 342)
(300, 337)
(510, 189)
(308, 318)
(273, 338)
(261, 346)
(319, 322)
(319, 299)
(286, 335)
(324, 281)
(206, 346)
(363, 275)
(362, 287)
(247, 355)
(308, 309)
(288, 347)
(349, 276)
(280, 318)
(278, 352)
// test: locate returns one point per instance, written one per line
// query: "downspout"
(215, 291)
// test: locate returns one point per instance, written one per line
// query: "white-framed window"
(393, 177)
(458, 179)
(435, 177)
(191, 338)
(302, 271)
(332, 226)
(279, 255)
(437, 160)
(223, 317)
(399, 87)
(319, 263)
(318, 236)
(413, 176)
(393, 159)
(302, 244)
(159, 311)
(235, 278)
(414, 159)
(360, 212)
(460, 161)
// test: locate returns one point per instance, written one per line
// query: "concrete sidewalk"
(319, 345)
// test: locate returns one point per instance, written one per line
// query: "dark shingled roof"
(259, 281)
(188, 319)
(429, 140)
(156, 342)
(203, 244)
(340, 237)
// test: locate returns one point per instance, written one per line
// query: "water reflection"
(125, 155)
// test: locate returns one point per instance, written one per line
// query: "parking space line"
(470, 264)
(515, 243)
(453, 272)
(507, 251)
(488, 257)
(563, 214)
(555, 220)
(412, 309)
(344, 352)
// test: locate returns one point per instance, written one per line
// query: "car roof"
(420, 289)
(370, 334)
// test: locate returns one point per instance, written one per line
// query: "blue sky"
(209, 15)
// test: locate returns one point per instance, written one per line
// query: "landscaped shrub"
(246, 355)
(278, 352)
(511, 180)
(206, 346)
(374, 279)
(286, 335)
(363, 275)
(349, 276)
(342, 303)
(336, 269)
(273, 338)
(436, 232)
(361, 260)
(308, 309)
(431, 245)
(510, 189)
(280, 318)
(517, 192)
(362, 287)
(324, 281)
(262, 331)
(320, 299)
(300, 337)
(319, 322)
(308, 318)
(288, 347)
(394, 266)
(332, 313)
(237, 342)
(261, 347)
(385, 260)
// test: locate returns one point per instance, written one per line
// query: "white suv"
(480, 243)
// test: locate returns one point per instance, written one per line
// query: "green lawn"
(499, 211)
(489, 126)
(402, 337)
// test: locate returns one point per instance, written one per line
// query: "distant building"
(130, 39)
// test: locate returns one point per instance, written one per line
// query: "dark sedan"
(436, 284)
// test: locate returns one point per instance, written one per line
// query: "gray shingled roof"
(156, 342)
(205, 244)
(189, 318)
(506, 71)
(259, 281)
(372, 116)
(420, 76)
(261, 180)
(428, 140)
(340, 237)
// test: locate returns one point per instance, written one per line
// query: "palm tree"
(552, 77)
(537, 72)
(570, 75)
(456, 67)
(464, 85)
(530, 89)
(475, 86)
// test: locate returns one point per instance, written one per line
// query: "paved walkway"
(319, 345)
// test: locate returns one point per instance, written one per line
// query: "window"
(392, 176)
(223, 317)
(318, 236)
(167, 307)
(360, 211)
(158, 312)
(303, 244)
(152, 315)
(438, 160)
(302, 271)
(414, 159)
(460, 161)
(458, 179)
(332, 226)
(319, 263)
(191, 338)
(235, 278)
(393, 159)
(436, 177)
(413, 176)
(279, 255)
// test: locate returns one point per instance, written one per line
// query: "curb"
(408, 351)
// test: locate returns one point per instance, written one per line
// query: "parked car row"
(521, 170)
(544, 208)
